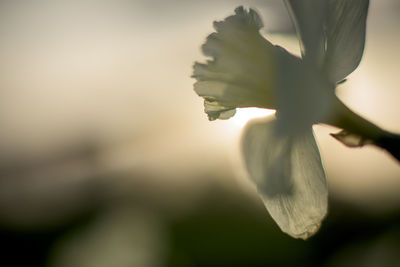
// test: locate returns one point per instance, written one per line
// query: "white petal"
(244, 69)
(346, 27)
(289, 176)
(308, 17)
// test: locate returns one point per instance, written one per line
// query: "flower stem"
(368, 132)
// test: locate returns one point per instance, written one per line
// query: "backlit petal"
(346, 28)
(289, 176)
(309, 17)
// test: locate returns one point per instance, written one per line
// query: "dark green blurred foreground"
(125, 222)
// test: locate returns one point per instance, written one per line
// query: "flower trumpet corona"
(246, 70)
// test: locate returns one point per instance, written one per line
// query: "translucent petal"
(243, 69)
(309, 17)
(346, 27)
(289, 176)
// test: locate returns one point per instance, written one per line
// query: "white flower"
(246, 70)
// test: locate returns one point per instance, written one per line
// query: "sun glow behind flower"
(243, 115)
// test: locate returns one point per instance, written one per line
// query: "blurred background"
(107, 158)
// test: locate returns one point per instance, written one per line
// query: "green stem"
(346, 119)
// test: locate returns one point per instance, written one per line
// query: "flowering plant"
(246, 70)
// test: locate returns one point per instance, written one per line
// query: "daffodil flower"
(246, 70)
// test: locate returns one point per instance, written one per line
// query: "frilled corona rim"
(241, 70)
